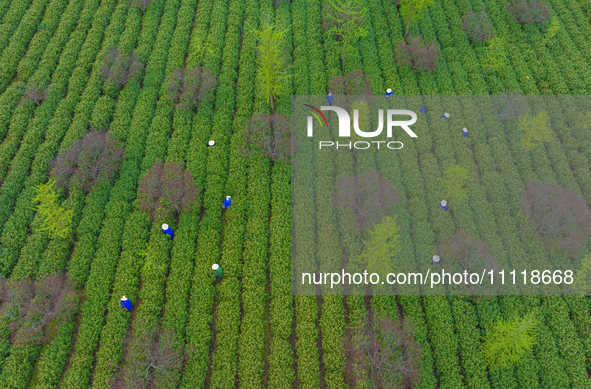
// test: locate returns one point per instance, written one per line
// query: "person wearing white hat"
(443, 205)
(210, 143)
(167, 230)
(465, 132)
(227, 202)
(125, 303)
(388, 92)
(436, 260)
(445, 116)
(217, 270)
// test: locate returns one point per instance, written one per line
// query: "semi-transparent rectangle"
(441, 195)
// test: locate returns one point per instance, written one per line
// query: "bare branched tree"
(528, 11)
(420, 55)
(383, 351)
(188, 87)
(509, 105)
(466, 253)
(30, 306)
(166, 188)
(351, 88)
(153, 361)
(141, 4)
(477, 25)
(33, 92)
(268, 135)
(559, 216)
(91, 160)
(367, 195)
(120, 68)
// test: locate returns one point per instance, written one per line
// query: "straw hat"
(443, 203)
(211, 143)
(165, 226)
(123, 298)
(215, 266)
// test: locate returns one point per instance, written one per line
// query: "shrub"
(268, 135)
(120, 68)
(367, 195)
(528, 11)
(383, 351)
(141, 4)
(466, 253)
(509, 105)
(558, 216)
(420, 55)
(33, 92)
(91, 160)
(477, 25)
(188, 87)
(167, 188)
(31, 306)
(153, 360)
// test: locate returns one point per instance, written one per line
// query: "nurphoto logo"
(345, 127)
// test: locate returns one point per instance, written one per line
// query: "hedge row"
(224, 360)
(46, 130)
(152, 291)
(110, 349)
(22, 36)
(12, 20)
(212, 166)
(100, 279)
(87, 52)
(41, 57)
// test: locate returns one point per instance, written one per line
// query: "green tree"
(413, 10)
(57, 220)
(272, 64)
(147, 261)
(345, 22)
(535, 131)
(456, 177)
(495, 54)
(508, 340)
(382, 247)
(553, 28)
(199, 49)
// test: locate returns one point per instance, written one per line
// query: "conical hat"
(123, 298)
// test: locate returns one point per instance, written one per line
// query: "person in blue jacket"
(445, 116)
(167, 230)
(465, 132)
(125, 303)
(443, 205)
(227, 202)
(329, 98)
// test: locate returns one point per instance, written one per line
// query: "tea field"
(248, 330)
